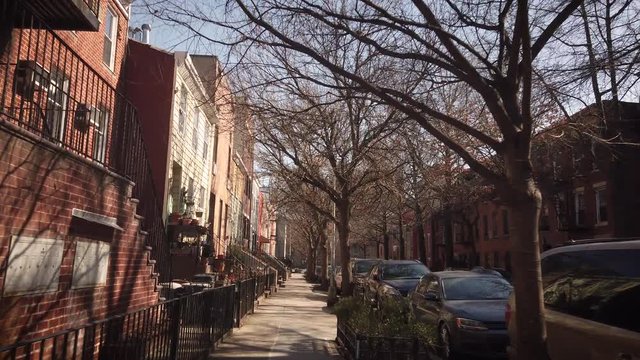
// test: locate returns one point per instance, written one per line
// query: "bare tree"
(490, 47)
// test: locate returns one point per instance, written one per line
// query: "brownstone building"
(79, 229)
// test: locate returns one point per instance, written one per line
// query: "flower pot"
(217, 265)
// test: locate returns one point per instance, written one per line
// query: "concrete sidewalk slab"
(291, 324)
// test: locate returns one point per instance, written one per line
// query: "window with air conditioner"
(110, 38)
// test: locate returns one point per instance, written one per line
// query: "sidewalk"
(291, 324)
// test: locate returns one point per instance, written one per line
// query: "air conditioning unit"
(29, 76)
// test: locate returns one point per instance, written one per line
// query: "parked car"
(495, 271)
(392, 278)
(360, 269)
(591, 295)
(467, 309)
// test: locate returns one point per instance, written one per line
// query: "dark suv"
(392, 279)
(592, 300)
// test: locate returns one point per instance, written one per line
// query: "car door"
(429, 309)
(371, 287)
(418, 298)
(592, 306)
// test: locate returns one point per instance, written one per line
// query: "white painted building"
(192, 143)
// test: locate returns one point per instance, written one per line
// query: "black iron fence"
(361, 347)
(188, 327)
(48, 89)
(246, 291)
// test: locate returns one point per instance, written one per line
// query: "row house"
(179, 126)
(589, 190)
(79, 229)
(202, 153)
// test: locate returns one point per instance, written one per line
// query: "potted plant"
(218, 264)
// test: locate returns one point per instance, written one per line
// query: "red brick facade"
(42, 182)
(40, 187)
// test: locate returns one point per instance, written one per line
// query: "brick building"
(74, 247)
(590, 190)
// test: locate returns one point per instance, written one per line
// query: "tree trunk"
(311, 263)
(344, 209)
(448, 239)
(422, 242)
(524, 201)
(435, 262)
(401, 237)
(324, 263)
(385, 237)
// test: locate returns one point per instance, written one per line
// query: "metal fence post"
(175, 328)
(237, 304)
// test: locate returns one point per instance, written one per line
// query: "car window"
(476, 288)
(403, 271)
(363, 267)
(433, 286)
(599, 285)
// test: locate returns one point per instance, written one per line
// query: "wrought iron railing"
(48, 89)
(183, 328)
(187, 327)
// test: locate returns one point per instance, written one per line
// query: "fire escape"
(48, 89)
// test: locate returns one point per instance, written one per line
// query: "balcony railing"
(47, 89)
(81, 15)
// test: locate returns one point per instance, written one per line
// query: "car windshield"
(476, 288)
(404, 271)
(363, 267)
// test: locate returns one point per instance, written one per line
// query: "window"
(485, 222)
(205, 143)
(544, 218)
(579, 206)
(201, 199)
(505, 222)
(215, 144)
(57, 93)
(190, 189)
(494, 222)
(220, 220)
(100, 122)
(601, 206)
(196, 127)
(110, 38)
(182, 111)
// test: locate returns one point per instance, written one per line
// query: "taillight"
(507, 314)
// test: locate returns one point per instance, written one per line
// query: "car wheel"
(444, 339)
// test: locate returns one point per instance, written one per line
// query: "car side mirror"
(431, 296)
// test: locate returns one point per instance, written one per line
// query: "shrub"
(392, 320)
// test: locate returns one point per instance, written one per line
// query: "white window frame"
(598, 188)
(100, 124)
(205, 142)
(112, 37)
(196, 125)
(182, 107)
(57, 99)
